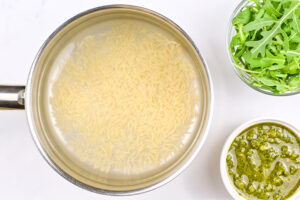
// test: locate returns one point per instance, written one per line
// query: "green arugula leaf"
(285, 1)
(276, 67)
(295, 53)
(260, 45)
(296, 23)
(285, 44)
(295, 81)
(243, 17)
(259, 23)
(256, 2)
(268, 6)
(266, 45)
(267, 61)
(235, 41)
(268, 82)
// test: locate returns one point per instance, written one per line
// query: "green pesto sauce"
(263, 162)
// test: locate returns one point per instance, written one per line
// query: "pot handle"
(12, 97)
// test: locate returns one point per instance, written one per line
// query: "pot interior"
(48, 136)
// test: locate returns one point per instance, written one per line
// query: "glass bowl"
(244, 76)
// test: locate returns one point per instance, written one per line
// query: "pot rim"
(30, 118)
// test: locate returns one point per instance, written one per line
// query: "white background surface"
(24, 25)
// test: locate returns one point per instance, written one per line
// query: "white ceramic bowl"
(225, 177)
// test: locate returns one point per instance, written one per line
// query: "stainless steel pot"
(33, 99)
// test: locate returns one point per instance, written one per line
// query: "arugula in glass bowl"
(264, 45)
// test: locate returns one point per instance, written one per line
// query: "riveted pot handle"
(12, 97)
